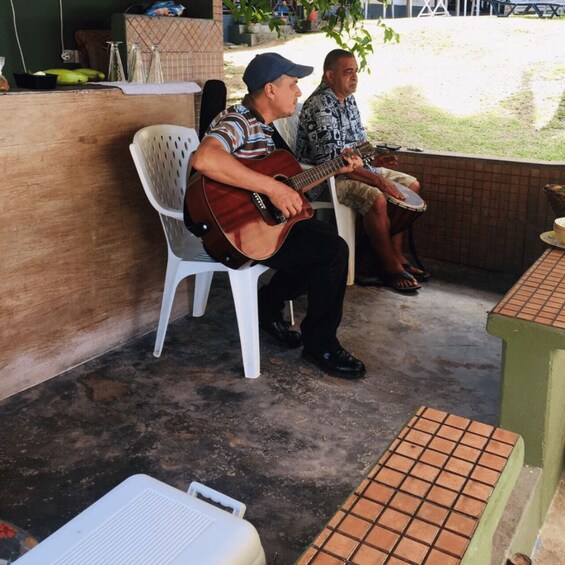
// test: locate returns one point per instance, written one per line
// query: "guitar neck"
(311, 176)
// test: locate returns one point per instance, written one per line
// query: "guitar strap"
(279, 141)
(196, 229)
(214, 96)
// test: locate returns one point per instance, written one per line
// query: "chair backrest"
(161, 154)
(288, 127)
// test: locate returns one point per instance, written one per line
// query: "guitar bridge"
(268, 212)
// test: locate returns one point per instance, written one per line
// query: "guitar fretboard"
(310, 176)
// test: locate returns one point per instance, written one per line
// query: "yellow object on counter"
(67, 77)
(92, 74)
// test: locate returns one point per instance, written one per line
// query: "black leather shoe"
(338, 363)
(281, 335)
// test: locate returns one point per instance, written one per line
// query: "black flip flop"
(391, 280)
(420, 278)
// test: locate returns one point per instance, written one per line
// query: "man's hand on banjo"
(386, 186)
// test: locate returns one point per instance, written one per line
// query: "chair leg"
(244, 289)
(346, 229)
(290, 311)
(202, 284)
(169, 290)
(345, 220)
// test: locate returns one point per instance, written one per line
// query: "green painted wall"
(532, 397)
(39, 29)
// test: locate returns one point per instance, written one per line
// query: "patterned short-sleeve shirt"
(326, 128)
(241, 133)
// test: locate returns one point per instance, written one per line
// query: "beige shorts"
(360, 196)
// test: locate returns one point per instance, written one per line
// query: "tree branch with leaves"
(344, 24)
(342, 21)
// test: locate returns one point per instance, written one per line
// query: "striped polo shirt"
(241, 133)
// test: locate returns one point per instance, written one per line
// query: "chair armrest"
(321, 204)
(171, 213)
(318, 204)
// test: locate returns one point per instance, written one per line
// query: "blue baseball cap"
(268, 67)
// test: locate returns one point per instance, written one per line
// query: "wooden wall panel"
(83, 253)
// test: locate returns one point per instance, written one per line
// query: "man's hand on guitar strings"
(353, 162)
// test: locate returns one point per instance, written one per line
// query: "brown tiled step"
(434, 497)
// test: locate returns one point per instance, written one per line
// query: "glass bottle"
(115, 68)
(4, 84)
(155, 73)
(136, 69)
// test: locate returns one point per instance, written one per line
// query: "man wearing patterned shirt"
(313, 258)
(329, 122)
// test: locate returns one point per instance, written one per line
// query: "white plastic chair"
(161, 155)
(344, 216)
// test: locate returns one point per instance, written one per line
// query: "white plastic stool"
(143, 521)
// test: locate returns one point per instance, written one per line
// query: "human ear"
(269, 90)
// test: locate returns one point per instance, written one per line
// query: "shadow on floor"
(291, 445)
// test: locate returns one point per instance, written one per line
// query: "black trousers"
(312, 260)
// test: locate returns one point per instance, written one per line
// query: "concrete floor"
(550, 546)
(291, 445)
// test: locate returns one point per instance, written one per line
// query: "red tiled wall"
(485, 213)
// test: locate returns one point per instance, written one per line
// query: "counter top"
(127, 87)
(178, 87)
(539, 295)
(75, 88)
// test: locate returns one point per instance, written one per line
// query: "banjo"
(402, 213)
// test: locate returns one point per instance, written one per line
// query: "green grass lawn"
(485, 86)
(494, 133)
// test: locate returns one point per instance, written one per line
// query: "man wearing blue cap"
(313, 258)
(330, 121)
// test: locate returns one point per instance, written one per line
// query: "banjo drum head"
(412, 200)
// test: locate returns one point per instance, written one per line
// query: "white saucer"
(549, 237)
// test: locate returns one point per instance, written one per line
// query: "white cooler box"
(143, 521)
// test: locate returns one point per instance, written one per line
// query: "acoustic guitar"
(238, 226)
